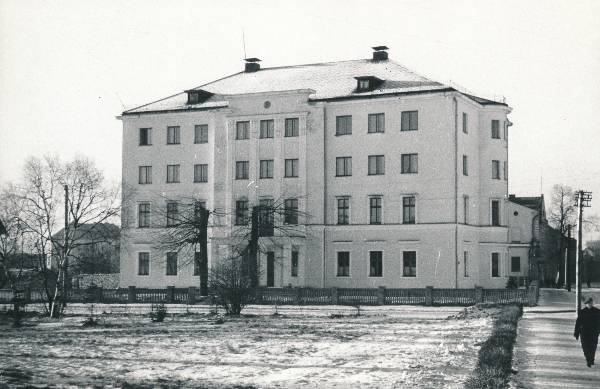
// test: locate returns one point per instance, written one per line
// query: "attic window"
(197, 96)
(367, 83)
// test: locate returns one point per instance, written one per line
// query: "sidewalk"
(546, 354)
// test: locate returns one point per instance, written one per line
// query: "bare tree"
(50, 190)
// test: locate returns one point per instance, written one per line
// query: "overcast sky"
(67, 68)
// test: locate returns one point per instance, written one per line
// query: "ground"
(325, 347)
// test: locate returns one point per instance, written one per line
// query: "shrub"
(495, 356)
(158, 313)
(512, 283)
(232, 285)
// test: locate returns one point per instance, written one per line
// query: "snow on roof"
(330, 80)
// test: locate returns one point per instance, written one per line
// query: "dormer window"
(367, 83)
(197, 96)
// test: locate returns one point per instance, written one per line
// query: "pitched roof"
(535, 203)
(330, 80)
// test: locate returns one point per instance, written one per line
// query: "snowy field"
(302, 347)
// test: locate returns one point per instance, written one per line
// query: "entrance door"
(270, 269)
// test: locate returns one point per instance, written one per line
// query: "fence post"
(170, 294)
(381, 295)
(532, 294)
(299, 296)
(131, 295)
(192, 295)
(429, 295)
(478, 294)
(334, 296)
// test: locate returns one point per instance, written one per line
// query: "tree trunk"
(204, 252)
(253, 247)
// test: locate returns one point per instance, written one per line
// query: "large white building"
(404, 179)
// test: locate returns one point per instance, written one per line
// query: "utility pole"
(583, 200)
(567, 267)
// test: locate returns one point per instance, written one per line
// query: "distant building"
(404, 178)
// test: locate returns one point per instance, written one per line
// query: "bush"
(232, 285)
(494, 366)
(512, 283)
(158, 313)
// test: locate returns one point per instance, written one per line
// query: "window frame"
(337, 264)
(266, 129)
(269, 169)
(146, 217)
(148, 136)
(465, 165)
(244, 126)
(202, 177)
(376, 123)
(495, 127)
(409, 206)
(148, 175)
(496, 169)
(465, 263)
(294, 130)
(346, 210)
(465, 123)
(370, 275)
(197, 264)
(294, 162)
(346, 163)
(139, 260)
(171, 255)
(343, 123)
(404, 267)
(498, 222)
(512, 264)
(290, 213)
(172, 213)
(409, 163)
(173, 135)
(242, 214)
(295, 263)
(242, 167)
(379, 165)
(174, 176)
(498, 265)
(378, 210)
(200, 134)
(409, 118)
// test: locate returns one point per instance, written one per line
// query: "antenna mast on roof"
(244, 42)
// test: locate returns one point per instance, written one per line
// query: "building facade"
(400, 181)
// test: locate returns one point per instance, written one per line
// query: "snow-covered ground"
(385, 347)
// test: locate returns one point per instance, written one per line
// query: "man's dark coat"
(588, 327)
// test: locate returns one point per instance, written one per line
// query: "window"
(343, 206)
(173, 135)
(172, 214)
(363, 84)
(376, 122)
(143, 264)
(266, 168)
(515, 264)
(291, 168)
(343, 264)
(145, 175)
(292, 127)
(144, 215)
(266, 217)
(410, 121)
(376, 165)
(343, 166)
(375, 210)
(466, 208)
(495, 169)
(465, 123)
(495, 265)
(197, 262)
(409, 263)
(375, 264)
(201, 133)
(466, 263)
(343, 125)
(201, 173)
(295, 255)
(241, 212)
(410, 163)
(505, 126)
(171, 264)
(241, 170)
(465, 166)
(408, 210)
(172, 174)
(505, 170)
(242, 130)
(495, 212)
(496, 129)
(290, 211)
(145, 136)
(267, 129)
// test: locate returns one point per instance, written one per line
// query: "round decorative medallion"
(267, 104)
(516, 213)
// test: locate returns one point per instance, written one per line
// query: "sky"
(68, 68)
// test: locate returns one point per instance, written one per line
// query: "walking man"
(588, 327)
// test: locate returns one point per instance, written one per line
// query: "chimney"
(252, 65)
(380, 53)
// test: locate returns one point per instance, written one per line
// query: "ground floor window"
(515, 264)
(343, 264)
(197, 262)
(495, 264)
(466, 263)
(143, 264)
(375, 264)
(409, 263)
(295, 256)
(171, 264)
